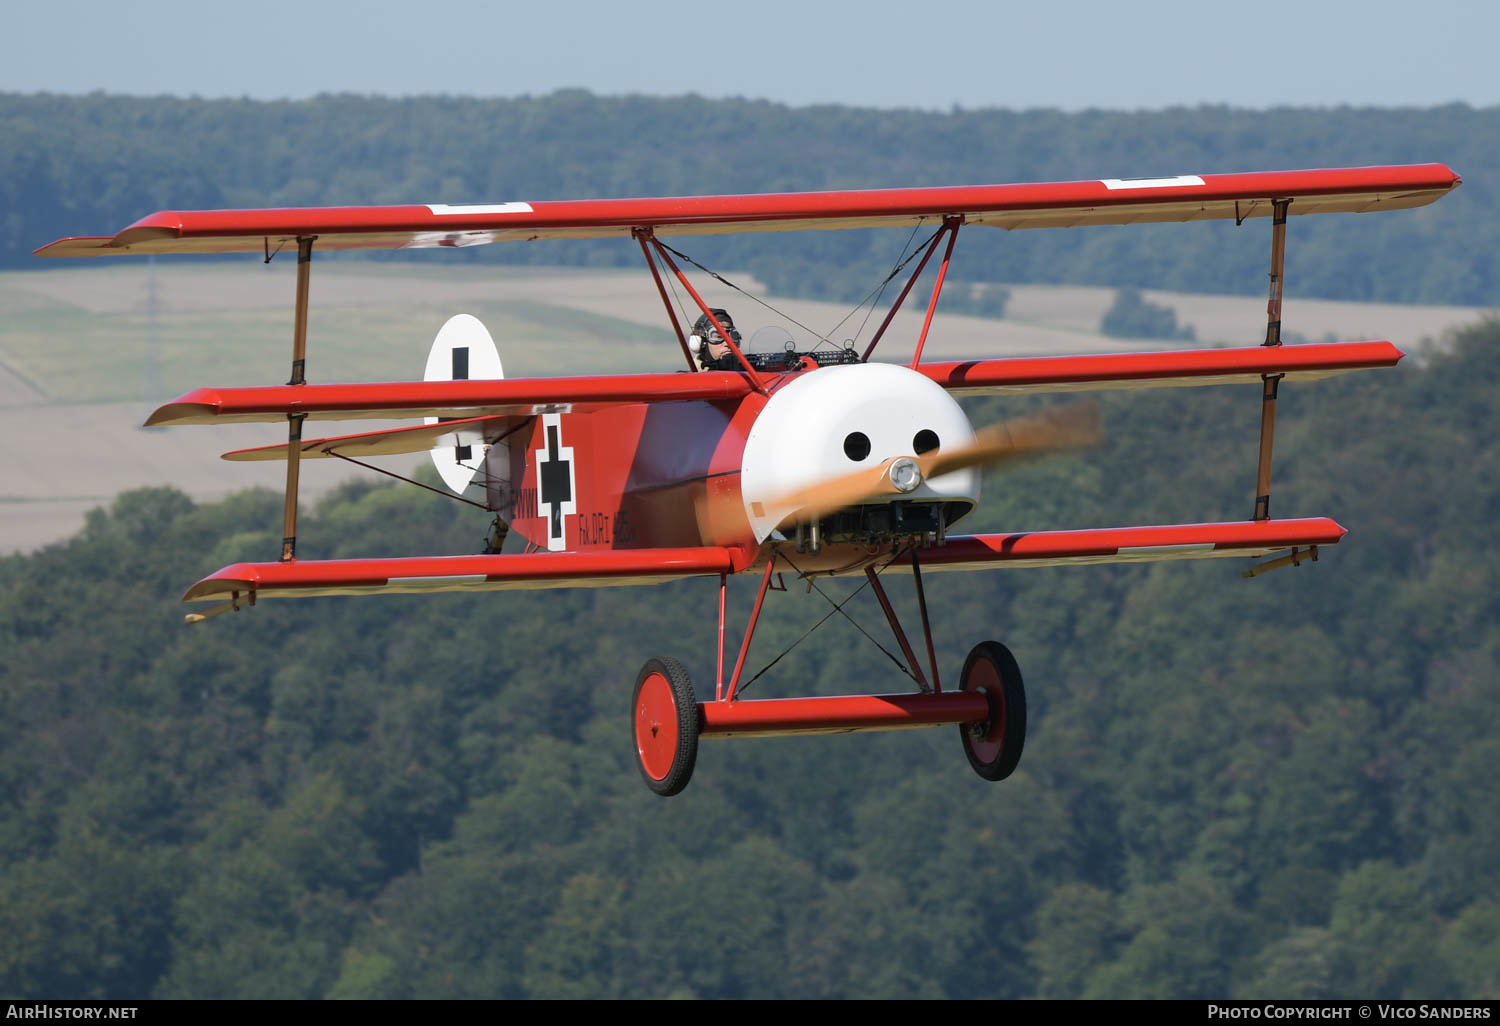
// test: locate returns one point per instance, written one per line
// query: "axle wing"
(391, 442)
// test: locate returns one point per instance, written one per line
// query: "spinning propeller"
(1075, 426)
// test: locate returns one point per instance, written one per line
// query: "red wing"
(1146, 370)
(1045, 205)
(245, 583)
(491, 398)
(465, 431)
(1129, 544)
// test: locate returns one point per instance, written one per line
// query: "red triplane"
(816, 463)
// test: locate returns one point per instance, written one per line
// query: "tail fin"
(462, 350)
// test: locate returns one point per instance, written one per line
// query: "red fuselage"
(715, 472)
(639, 476)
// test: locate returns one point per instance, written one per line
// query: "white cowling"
(799, 438)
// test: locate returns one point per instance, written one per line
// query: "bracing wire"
(716, 276)
(838, 607)
(873, 299)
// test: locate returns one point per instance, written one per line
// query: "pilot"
(713, 352)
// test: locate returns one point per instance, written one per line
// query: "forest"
(1281, 787)
(91, 165)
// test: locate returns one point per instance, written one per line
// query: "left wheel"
(994, 745)
(665, 713)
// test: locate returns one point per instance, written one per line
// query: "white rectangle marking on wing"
(455, 209)
(1154, 551)
(1151, 183)
(423, 582)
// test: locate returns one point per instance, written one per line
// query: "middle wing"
(520, 397)
(1307, 362)
(461, 399)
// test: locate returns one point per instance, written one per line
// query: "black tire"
(668, 699)
(994, 747)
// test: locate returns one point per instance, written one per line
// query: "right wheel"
(994, 746)
(665, 715)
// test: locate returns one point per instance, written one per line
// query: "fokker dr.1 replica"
(806, 463)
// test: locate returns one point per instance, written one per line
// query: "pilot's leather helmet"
(704, 334)
(704, 328)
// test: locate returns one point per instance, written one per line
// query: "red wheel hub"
(983, 677)
(656, 726)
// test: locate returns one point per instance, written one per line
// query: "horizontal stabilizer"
(468, 431)
(246, 582)
(1172, 368)
(1128, 544)
(523, 397)
(1028, 205)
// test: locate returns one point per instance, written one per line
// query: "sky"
(928, 54)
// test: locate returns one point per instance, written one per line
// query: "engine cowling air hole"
(857, 445)
(925, 441)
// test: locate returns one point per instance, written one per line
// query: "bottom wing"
(245, 583)
(1128, 544)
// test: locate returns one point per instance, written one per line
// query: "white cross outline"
(564, 456)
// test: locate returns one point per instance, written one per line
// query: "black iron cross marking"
(556, 483)
(460, 356)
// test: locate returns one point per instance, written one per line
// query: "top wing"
(1035, 205)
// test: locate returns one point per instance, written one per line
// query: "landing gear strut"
(989, 705)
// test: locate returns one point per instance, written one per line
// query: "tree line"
(90, 165)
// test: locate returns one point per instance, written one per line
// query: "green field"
(97, 344)
(84, 359)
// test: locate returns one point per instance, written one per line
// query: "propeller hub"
(905, 475)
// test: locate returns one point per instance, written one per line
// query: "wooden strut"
(1278, 267)
(1270, 383)
(294, 420)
